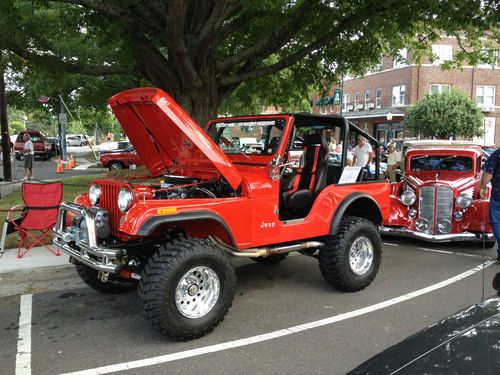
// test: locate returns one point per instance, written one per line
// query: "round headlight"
(124, 199)
(94, 194)
(464, 200)
(458, 215)
(408, 197)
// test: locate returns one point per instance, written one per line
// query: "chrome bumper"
(89, 253)
(465, 236)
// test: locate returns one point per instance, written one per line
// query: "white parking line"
(276, 334)
(390, 244)
(453, 253)
(23, 357)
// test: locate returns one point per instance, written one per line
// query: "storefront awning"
(374, 113)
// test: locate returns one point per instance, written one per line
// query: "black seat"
(313, 176)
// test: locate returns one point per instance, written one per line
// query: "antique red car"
(118, 160)
(171, 233)
(437, 199)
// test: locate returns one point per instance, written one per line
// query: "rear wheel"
(115, 166)
(89, 277)
(350, 260)
(489, 244)
(187, 288)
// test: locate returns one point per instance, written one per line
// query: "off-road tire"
(116, 166)
(89, 277)
(160, 279)
(270, 260)
(334, 256)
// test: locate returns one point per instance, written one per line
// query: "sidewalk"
(38, 271)
(36, 258)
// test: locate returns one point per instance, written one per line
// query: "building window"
(367, 97)
(490, 56)
(400, 58)
(378, 98)
(439, 88)
(398, 95)
(356, 100)
(485, 96)
(345, 102)
(442, 53)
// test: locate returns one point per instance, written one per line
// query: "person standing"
(363, 153)
(491, 173)
(332, 146)
(393, 162)
(29, 154)
(339, 148)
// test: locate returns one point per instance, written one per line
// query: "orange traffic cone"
(71, 162)
(68, 165)
(59, 166)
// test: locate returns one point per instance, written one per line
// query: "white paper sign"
(349, 175)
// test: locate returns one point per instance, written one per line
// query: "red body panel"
(166, 137)
(124, 157)
(475, 217)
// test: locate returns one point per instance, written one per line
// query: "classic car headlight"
(124, 199)
(464, 200)
(94, 194)
(422, 224)
(408, 197)
(458, 215)
(444, 226)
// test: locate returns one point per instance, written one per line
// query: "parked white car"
(76, 140)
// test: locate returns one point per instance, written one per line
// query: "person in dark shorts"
(29, 155)
(491, 173)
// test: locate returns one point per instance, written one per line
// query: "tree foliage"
(219, 54)
(445, 115)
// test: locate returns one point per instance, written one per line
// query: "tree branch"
(177, 44)
(274, 42)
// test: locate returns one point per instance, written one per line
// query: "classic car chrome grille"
(438, 199)
(109, 201)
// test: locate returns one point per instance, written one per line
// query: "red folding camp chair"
(39, 213)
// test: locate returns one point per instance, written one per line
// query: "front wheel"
(350, 260)
(187, 288)
(115, 166)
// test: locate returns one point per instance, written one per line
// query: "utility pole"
(62, 124)
(7, 168)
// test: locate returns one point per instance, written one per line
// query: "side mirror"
(273, 168)
(296, 159)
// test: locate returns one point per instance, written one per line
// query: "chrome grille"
(109, 201)
(443, 197)
(426, 205)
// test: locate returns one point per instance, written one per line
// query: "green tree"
(208, 53)
(445, 115)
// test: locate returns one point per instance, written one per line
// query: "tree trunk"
(7, 169)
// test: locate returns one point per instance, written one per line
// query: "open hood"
(166, 137)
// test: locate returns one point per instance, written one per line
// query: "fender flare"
(149, 226)
(344, 205)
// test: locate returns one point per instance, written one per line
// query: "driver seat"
(313, 176)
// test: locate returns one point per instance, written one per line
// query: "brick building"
(378, 101)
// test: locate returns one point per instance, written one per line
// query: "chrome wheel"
(197, 292)
(361, 255)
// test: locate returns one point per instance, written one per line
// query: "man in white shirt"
(29, 155)
(363, 153)
(393, 162)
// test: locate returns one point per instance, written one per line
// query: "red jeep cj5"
(172, 233)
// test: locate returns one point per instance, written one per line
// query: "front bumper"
(88, 252)
(450, 237)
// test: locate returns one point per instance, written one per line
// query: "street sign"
(62, 118)
(337, 96)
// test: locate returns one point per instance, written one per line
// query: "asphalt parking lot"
(285, 319)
